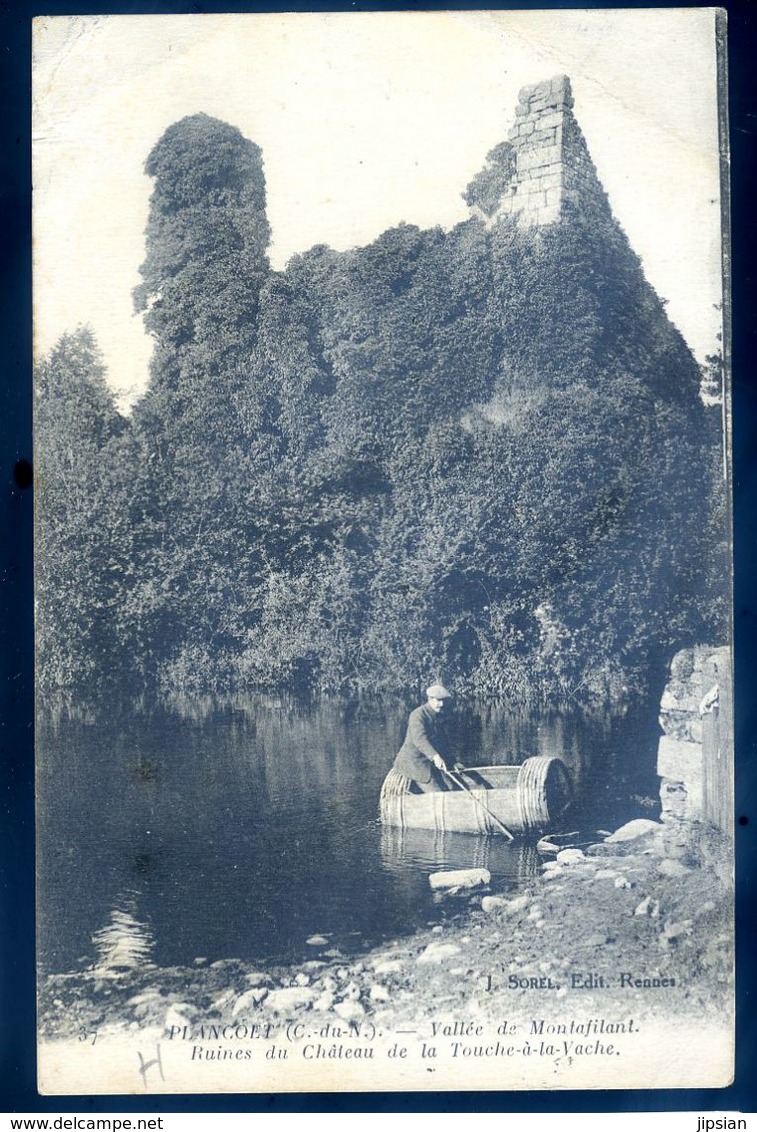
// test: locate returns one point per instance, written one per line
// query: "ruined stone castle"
(546, 163)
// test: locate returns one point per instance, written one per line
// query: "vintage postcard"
(383, 553)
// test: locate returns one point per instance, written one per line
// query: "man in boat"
(421, 757)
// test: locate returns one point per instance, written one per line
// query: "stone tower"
(544, 170)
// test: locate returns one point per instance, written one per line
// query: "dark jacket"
(415, 758)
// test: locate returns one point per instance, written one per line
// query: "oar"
(461, 785)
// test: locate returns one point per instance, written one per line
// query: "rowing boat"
(526, 799)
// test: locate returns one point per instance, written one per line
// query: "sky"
(365, 120)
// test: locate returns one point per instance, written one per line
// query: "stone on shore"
(249, 1000)
(493, 903)
(388, 967)
(349, 1010)
(288, 998)
(179, 1014)
(460, 878)
(673, 931)
(224, 1001)
(672, 868)
(633, 830)
(438, 952)
(647, 907)
(519, 903)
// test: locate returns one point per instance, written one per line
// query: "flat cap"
(438, 692)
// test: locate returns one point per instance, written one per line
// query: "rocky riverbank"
(627, 925)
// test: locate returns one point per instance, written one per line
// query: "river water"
(207, 831)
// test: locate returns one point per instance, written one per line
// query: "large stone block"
(541, 139)
(680, 802)
(551, 180)
(536, 91)
(550, 119)
(690, 668)
(680, 761)
(683, 664)
(531, 177)
(532, 158)
(679, 697)
(561, 89)
(535, 201)
(684, 725)
(525, 93)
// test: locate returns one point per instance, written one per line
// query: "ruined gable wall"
(553, 172)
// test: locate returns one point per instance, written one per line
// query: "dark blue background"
(17, 1032)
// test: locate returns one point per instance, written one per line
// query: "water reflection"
(432, 850)
(239, 830)
(125, 943)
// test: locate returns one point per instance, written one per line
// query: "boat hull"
(526, 799)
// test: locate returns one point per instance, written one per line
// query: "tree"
(207, 236)
(205, 266)
(489, 185)
(82, 537)
(480, 452)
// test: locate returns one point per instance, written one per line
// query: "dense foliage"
(82, 547)
(479, 455)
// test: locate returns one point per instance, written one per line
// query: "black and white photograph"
(383, 552)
